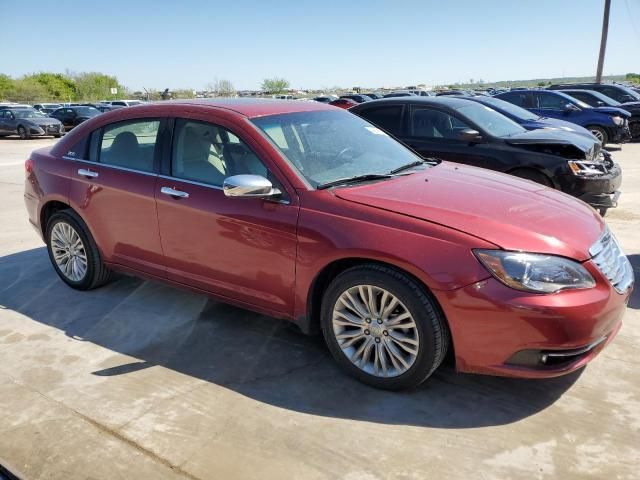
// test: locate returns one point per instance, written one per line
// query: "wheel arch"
(48, 209)
(540, 171)
(310, 322)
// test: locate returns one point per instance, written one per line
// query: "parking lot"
(140, 380)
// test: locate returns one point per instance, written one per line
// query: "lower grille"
(611, 261)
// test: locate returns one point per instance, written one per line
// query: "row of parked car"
(51, 119)
(611, 112)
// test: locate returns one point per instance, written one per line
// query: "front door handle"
(172, 192)
(87, 173)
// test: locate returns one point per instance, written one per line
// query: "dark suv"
(464, 131)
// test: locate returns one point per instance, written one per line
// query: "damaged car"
(463, 131)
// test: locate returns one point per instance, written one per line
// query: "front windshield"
(329, 145)
(87, 111)
(26, 113)
(604, 99)
(510, 108)
(494, 123)
(631, 92)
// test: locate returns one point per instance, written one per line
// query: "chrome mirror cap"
(249, 186)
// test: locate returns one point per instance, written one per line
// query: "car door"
(113, 190)
(240, 248)
(547, 104)
(435, 133)
(4, 129)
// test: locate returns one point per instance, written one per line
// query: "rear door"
(239, 248)
(113, 190)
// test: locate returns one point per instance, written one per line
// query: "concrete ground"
(138, 380)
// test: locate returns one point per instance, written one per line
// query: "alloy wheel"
(375, 331)
(68, 251)
(598, 135)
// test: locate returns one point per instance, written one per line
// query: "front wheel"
(24, 134)
(533, 175)
(600, 133)
(383, 328)
(73, 252)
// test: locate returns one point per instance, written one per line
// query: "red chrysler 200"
(306, 212)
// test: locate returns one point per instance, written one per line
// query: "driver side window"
(427, 123)
(207, 153)
(551, 102)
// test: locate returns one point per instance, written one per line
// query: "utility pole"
(603, 40)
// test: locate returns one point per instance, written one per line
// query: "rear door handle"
(174, 193)
(87, 173)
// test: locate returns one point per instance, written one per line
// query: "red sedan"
(304, 212)
(344, 103)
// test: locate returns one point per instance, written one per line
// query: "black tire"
(634, 128)
(603, 211)
(24, 133)
(97, 273)
(57, 135)
(533, 175)
(599, 133)
(433, 332)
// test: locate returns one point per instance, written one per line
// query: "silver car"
(28, 122)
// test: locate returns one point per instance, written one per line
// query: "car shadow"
(634, 300)
(260, 357)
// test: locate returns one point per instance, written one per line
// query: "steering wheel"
(344, 151)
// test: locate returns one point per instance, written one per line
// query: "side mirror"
(627, 98)
(249, 186)
(569, 108)
(469, 135)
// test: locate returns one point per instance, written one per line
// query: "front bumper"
(492, 324)
(619, 134)
(599, 191)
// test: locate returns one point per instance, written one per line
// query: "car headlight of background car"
(618, 120)
(586, 168)
(533, 272)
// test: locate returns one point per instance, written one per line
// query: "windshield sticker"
(375, 130)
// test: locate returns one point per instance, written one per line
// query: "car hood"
(612, 111)
(553, 137)
(630, 106)
(509, 212)
(44, 121)
(557, 125)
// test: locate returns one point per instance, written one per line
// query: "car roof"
(446, 101)
(249, 107)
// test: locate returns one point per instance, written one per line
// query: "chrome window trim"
(192, 182)
(115, 167)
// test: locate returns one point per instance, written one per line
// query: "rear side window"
(130, 144)
(388, 118)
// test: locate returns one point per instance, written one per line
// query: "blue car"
(607, 124)
(530, 120)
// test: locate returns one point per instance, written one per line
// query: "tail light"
(28, 167)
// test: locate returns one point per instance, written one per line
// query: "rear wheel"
(383, 328)
(23, 132)
(73, 252)
(600, 133)
(533, 175)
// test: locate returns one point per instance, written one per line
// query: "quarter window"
(207, 153)
(130, 144)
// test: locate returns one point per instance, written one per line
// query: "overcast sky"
(314, 44)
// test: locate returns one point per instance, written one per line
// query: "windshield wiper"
(355, 179)
(407, 166)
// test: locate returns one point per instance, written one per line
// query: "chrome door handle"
(173, 192)
(87, 173)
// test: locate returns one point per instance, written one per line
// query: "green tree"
(28, 90)
(221, 88)
(275, 85)
(7, 86)
(58, 86)
(97, 86)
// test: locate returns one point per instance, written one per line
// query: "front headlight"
(534, 272)
(586, 168)
(618, 120)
